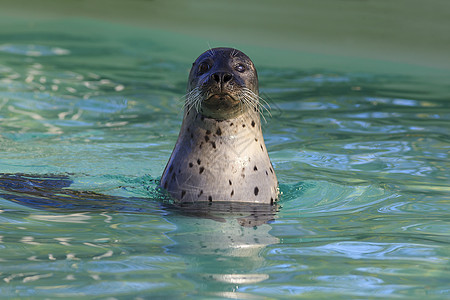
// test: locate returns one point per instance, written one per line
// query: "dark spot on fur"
(267, 173)
(253, 123)
(243, 175)
(232, 193)
(206, 138)
(262, 149)
(256, 140)
(213, 144)
(210, 198)
(200, 171)
(170, 169)
(208, 132)
(199, 194)
(271, 201)
(243, 125)
(271, 170)
(192, 136)
(199, 161)
(179, 171)
(231, 124)
(229, 181)
(256, 191)
(182, 194)
(255, 168)
(191, 165)
(188, 130)
(187, 114)
(165, 185)
(255, 108)
(219, 132)
(200, 146)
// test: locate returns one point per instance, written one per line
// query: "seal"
(220, 153)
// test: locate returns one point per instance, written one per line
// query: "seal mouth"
(221, 97)
(221, 100)
(220, 106)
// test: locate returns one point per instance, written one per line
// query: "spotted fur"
(220, 153)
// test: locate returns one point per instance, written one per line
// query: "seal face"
(220, 153)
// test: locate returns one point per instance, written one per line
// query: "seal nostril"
(215, 77)
(221, 77)
(226, 77)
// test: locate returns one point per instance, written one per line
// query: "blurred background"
(412, 32)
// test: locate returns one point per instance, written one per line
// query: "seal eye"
(203, 67)
(240, 68)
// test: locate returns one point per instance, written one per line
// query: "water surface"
(90, 111)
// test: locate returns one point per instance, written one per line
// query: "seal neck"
(196, 126)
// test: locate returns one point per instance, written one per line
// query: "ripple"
(33, 50)
(306, 106)
(318, 198)
(367, 250)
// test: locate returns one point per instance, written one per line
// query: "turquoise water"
(89, 114)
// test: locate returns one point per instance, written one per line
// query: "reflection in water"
(247, 214)
(228, 250)
(229, 237)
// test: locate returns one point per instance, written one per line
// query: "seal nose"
(221, 77)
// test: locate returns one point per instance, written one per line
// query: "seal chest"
(220, 153)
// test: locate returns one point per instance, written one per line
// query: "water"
(90, 111)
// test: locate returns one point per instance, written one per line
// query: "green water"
(360, 149)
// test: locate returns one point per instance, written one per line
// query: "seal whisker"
(265, 105)
(244, 103)
(193, 99)
(210, 50)
(262, 103)
(250, 102)
(187, 101)
(257, 102)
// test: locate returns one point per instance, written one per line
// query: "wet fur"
(220, 154)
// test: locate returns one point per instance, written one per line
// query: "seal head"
(221, 76)
(220, 153)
